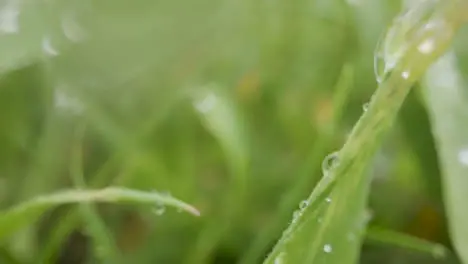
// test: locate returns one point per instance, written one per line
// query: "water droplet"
(329, 163)
(303, 204)
(71, 29)
(365, 107)
(463, 157)
(296, 216)
(405, 74)
(9, 19)
(159, 209)
(379, 61)
(48, 48)
(427, 46)
(328, 200)
(319, 220)
(280, 258)
(406, 31)
(327, 248)
(207, 103)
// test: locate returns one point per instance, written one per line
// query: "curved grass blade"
(27, 212)
(389, 237)
(447, 104)
(330, 230)
(104, 244)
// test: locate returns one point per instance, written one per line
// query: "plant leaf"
(336, 238)
(27, 212)
(447, 104)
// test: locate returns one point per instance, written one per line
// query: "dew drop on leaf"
(303, 204)
(328, 200)
(160, 209)
(365, 107)
(405, 75)
(327, 248)
(296, 215)
(427, 46)
(280, 258)
(419, 21)
(329, 163)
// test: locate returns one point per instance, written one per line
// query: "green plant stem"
(362, 144)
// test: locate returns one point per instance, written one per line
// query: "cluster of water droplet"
(419, 23)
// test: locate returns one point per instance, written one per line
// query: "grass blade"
(330, 230)
(405, 241)
(448, 110)
(27, 212)
(222, 119)
(104, 244)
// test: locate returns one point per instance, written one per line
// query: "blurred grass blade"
(329, 230)
(447, 104)
(341, 95)
(104, 245)
(26, 213)
(223, 120)
(389, 237)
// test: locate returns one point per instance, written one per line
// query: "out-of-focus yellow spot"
(427, 224)
(322, 113)
(248, 88)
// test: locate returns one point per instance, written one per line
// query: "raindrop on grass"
(303, 204)
(327, 248)
(427, 46)
(328, 200)
(405, 75)
(296, 216)
(280, 258)
(419, 21)
(463, 157)
(365, 107)
(159, 209)
(329, 163)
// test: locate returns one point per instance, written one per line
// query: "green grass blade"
(342, 90)
(447, 104)
(389, 237)
(223, 120)
(103, 242)
(27, 212)
(330, 230)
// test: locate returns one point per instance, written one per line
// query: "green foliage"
(231, 106)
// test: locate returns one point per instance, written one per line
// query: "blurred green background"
(228, 105)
